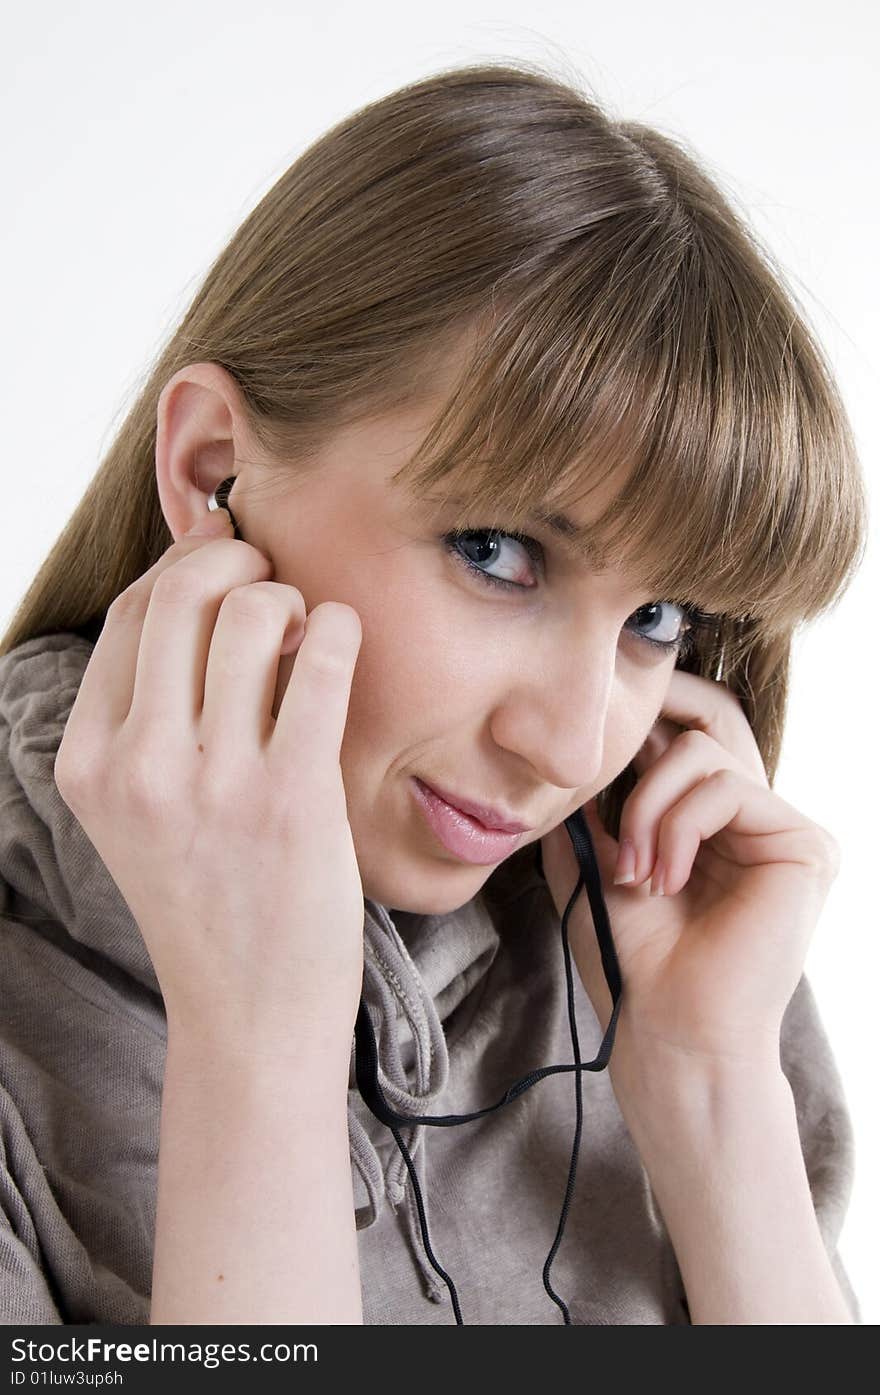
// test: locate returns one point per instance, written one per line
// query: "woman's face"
(532, 698)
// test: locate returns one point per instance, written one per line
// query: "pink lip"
(490, 818)
(461, 834)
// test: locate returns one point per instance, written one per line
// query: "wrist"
(720, 1147)
(296, 1045)
(653, 1079)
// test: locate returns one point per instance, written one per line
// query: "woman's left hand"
(709, 967)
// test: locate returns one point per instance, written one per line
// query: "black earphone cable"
(367, 1064)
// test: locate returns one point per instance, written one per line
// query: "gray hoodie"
(462, 1005)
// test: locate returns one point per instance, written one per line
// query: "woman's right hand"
(225, 829)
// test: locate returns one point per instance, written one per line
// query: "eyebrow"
(573, 535)
(575, 538)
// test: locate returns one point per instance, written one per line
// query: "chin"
(436, 895)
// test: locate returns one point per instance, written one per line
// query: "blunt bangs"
(644, 361)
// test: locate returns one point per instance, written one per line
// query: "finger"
(702, 704)
(762, 828)
(314, 709)
(181, 612)
(688, 760)
(241, 674)
(106, 690)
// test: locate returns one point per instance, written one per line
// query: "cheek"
(406, 672)
(630, 720)
(408, 662)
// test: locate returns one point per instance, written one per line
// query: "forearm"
(255, 1213)
(723, 1156)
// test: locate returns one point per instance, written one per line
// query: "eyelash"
(695, 618)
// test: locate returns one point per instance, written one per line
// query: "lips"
(490, 818)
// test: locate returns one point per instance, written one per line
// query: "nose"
(555, 708)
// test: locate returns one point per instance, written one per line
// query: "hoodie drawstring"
(374, 1094)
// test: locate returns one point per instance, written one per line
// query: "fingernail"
(657, 879)
(217, 521)
(625, 870)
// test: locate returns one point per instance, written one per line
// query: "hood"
(418, 969)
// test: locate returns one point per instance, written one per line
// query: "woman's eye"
(670, 634)
(477, 548)
(664, 625)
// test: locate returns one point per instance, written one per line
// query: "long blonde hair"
(625, 315)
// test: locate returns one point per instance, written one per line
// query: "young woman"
(533, 469)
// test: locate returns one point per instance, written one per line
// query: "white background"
(137, 137)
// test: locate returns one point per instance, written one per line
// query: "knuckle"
(289, 597)
(143, 773)
(180, 586)
(267, 603)
(86, 776)
(723, 775)
(139, 785)
(72, 769)
(130, 604)
(692, 737)
(828, 851)
(253, 604)
(325, 662)
(669, 825)
(220, 788)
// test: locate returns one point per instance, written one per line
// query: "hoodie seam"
(392, 978)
